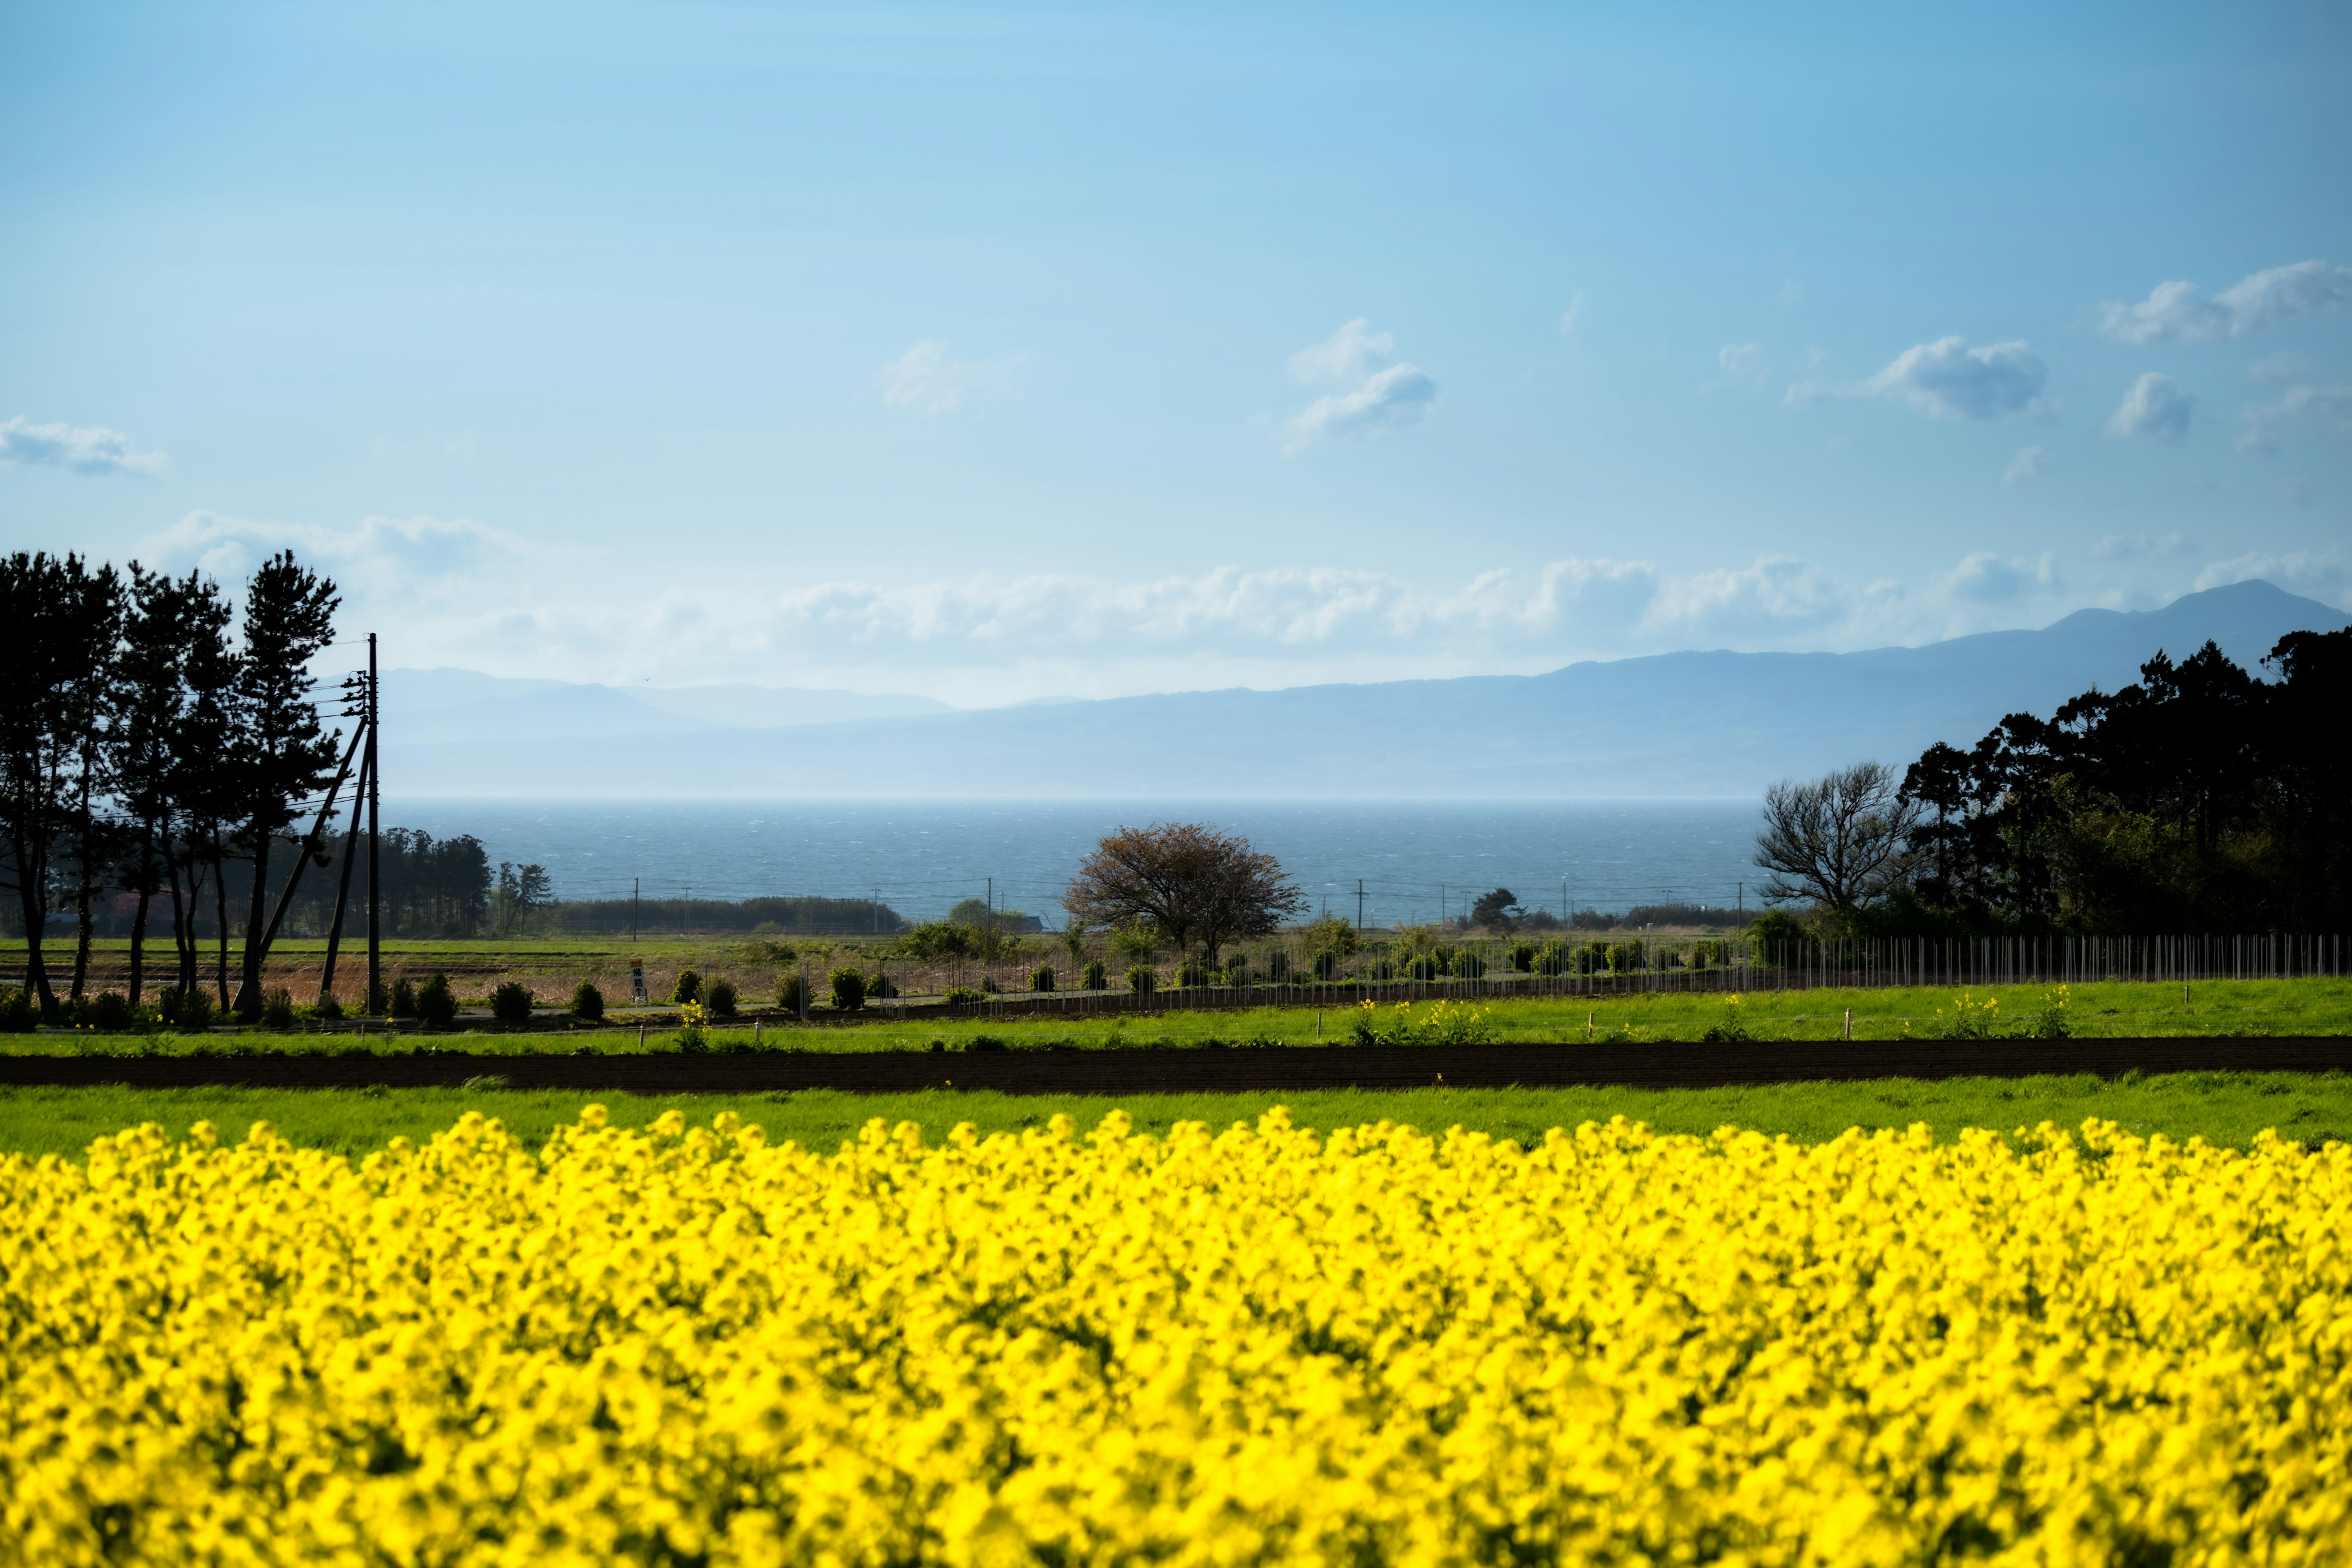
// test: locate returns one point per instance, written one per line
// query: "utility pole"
(877, 912)
(992, 903)
(633, 910)
(376, 1001)
(1359, 903)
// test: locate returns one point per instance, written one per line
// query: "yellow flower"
(1254, 1345)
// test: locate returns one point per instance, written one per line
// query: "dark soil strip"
(1658, 1065)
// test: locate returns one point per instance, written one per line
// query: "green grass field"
(2313, 1006)
(2224, 1108)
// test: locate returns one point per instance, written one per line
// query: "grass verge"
(2219, 1007)
(2227, 1109)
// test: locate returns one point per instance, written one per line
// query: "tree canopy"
(1191, 883)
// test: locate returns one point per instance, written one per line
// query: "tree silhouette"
(280, 752)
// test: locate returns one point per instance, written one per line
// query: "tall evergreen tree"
(94, 623)
(201, 784)
(281, 754)
(151, 702)
(52, 663)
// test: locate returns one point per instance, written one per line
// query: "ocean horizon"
(1415, 859)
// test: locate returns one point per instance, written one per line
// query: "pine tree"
(282, 754)
(52, 663)
(151, 702)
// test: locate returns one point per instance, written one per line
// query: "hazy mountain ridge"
(1679, 724)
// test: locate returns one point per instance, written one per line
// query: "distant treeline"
(432, 888)
(2199, 799)
(704, 917)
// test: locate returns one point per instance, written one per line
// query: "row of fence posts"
(1732, 965)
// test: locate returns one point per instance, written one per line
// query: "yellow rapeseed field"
(1254, 1346)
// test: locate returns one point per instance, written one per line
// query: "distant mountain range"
(1671, 725)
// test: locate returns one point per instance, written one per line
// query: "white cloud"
(2272, 369)
(1985, 578)
(1376, 392)
(382, 557)
(85, 449)
(1949, 380)
(2028, 462)
(2327, 405)
(1793, 293)
(2178, 312)
(1568, 317)
(2315, 574)
(2155, 406)
(926, 379)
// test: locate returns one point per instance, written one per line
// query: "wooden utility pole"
(376, 1001)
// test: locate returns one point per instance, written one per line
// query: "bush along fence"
(1286, 975)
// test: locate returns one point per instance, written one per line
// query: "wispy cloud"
(1568, 317)
(403, 558)
(929, 379)
(2178, 312)
(1949, 380)
(1741, 363)
(85, 449)
(2155, 406)
(2329, 406)
(1374, 390)
(2030, 463)
(1985, 578)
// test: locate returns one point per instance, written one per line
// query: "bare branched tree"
(1840, 841)
(1190, 882)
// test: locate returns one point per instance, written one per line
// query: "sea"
(1406, 860)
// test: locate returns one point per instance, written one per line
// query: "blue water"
(1413, 858)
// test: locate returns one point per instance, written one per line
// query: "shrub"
(1277, 966)
(1554, 959)
(1446, 1024)
(197, 1011)
(1523, 957)
(848, 990)
(17, 1015)
(1042, 977)
(511, 1003)
(1424, 968)
(1142, 979)
(1967, 1020)
(690, 1038)
(2050, 1020)
(1327, 965)
(1096, 976)
(111, 1011)
(329, 1008)
(1191, 972)
(277, 1009)
(792, 994)
(988, 985)
(689, 988)
(1777, 928)
(1468, 965)
(1733, 1027)
(403, 998)
(964, 996)
(587, 1002)
(721, 998)
(880, 988)
(436, 1005)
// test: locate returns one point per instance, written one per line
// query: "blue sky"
(992, 353)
